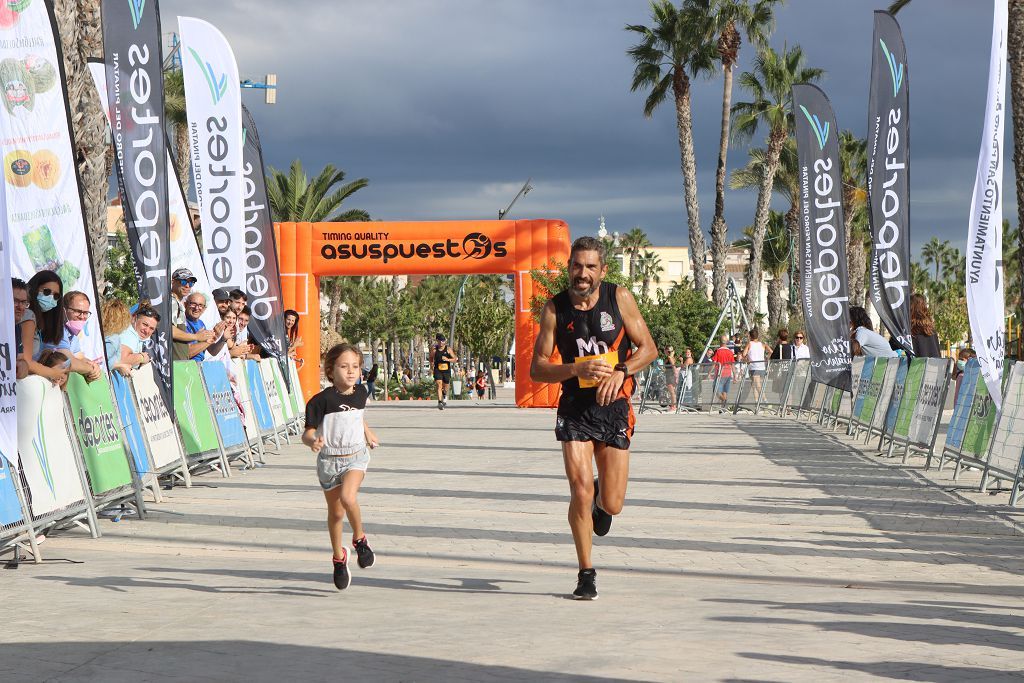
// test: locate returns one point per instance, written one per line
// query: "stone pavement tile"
(750, 549)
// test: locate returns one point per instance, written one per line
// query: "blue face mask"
(961, 364)
(46, 303)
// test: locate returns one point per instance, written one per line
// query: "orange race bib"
(611, 358)
(442, 366)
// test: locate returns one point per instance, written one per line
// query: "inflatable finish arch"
(308, 251)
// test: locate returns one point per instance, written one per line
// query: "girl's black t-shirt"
(338, 418)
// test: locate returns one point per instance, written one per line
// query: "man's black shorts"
(612, 424)
(443, 376)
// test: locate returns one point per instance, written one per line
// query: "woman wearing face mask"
(43, 322)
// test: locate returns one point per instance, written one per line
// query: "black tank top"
(441, 365)
(590, 333)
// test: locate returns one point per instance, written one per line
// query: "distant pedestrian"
(725, 358)
(481, 384)
(371, 381)
(864, 341)
(783, 349)
(800, 349)
(337, 432)
(754, 353)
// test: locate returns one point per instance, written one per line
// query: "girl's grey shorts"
(332, 468)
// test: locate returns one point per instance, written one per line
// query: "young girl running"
(337, 433)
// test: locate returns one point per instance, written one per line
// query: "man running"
(442, 359)
(593, 324)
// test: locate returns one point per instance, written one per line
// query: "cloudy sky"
(447, 106)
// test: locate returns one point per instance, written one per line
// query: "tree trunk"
(776, 139)
(858, 258)
(183, 160)
(1015, 57)
(776, 304)
(688, 162)
(719, 230)
(81, 37)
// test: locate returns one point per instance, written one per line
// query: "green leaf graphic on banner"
(99, 435)
(980, 422)
(911, 390)
(198, 431)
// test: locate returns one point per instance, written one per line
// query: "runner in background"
(594, 326)
(442, 358)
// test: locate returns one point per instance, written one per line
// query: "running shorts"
(443, 376)
(331, 469)
(612, 424)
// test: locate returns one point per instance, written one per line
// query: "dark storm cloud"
(448, 106)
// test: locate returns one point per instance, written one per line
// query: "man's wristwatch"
(621, 367)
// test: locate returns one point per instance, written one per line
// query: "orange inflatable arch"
(309, 251)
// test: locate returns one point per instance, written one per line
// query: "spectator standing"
(754, 353)
(481, 384)
(195, 305)
(800, 349)
(962, 357)
(864, 341)
(671, 379)
(725, 359)
(291, 333)
(239, 302)
(182, 281)
(20, 290)
(371, 381)
(135, 336)
(783, 349)
(222, 299)
(922, 329)
(115, 319)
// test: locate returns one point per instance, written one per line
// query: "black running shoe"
(586, 586)
(342, 576)
(440, 405)
(364, 554)
(602, 520)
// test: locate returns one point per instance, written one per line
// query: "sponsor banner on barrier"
(775, 379)
(248, 411)
(47, 454)
(45, 218)
(273, 396)
(130, 419)
(873, 391)
(263, 279)
(260, 400)
(287, 406)
(888, 148)
(823, 247)
(898, 387)
(962, 408)
(1007, 446)
(192, 410)
(985, 300)
(928, 405)
(911, 390)
(879, 415)
(222, 399)
(981, 420)
(135, 106)
(214, 105)
(157, 425)
(97, 427)
(184, 249)
(862, 385)
(10, 506)
(296, 393)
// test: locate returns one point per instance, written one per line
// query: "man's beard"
(583, 289)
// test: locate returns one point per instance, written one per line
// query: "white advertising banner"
(8, 359)
(270, 386)
(184, 247)
(161, 440)
(985, 300)
(47, 456)
(928, 408)
(252, 429)
(214, 103)
(43, 203)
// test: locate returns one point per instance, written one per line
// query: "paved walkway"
(751, 549)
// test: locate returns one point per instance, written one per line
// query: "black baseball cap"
(222, 294)
(439, 337)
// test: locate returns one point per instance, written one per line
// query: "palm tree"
(677, 47)
(777, 258)
(632, 243)
(934, 253)
(81, 37)
(920, 280)
(730, 18)
(854, 160)
(770, 85)
(293, 197)
(786, 184)
(1011, 265)
(650, 271)
(177, 117)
